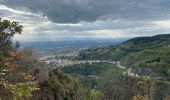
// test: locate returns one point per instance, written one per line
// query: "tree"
(7, 30)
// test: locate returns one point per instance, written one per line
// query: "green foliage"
(55, 86)
(116, 86)
(88, 69)
(88, 78)
(157, 60)
(21, 91)
(7, 30)
(146, 87)
(103, 53)
(86, 92)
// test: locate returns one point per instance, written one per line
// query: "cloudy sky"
(81, 19)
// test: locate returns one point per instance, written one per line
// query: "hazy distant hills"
(72, 43)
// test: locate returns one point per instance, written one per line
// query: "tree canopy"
(7, 30)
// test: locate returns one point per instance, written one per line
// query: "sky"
(46, 20)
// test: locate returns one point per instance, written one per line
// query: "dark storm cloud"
(73, 11)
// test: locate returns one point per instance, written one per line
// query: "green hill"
(133, 45)
(141, 43)
(148, 57)
(141, 53)
(148, 53)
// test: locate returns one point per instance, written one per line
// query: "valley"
(84, 50)
(138, 68)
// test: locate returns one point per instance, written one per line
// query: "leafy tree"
(7, 30)
(14, 82)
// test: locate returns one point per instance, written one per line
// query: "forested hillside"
(133, 45)
(146, 58)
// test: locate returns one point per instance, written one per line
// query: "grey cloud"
(74, 11)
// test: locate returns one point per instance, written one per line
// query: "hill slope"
(146, 55)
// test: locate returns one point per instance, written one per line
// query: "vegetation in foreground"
(23, 77)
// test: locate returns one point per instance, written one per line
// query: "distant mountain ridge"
(149, 39)
(158, 40)
(71, 43)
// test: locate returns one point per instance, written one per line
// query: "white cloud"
(107, 33)
(162, 23)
